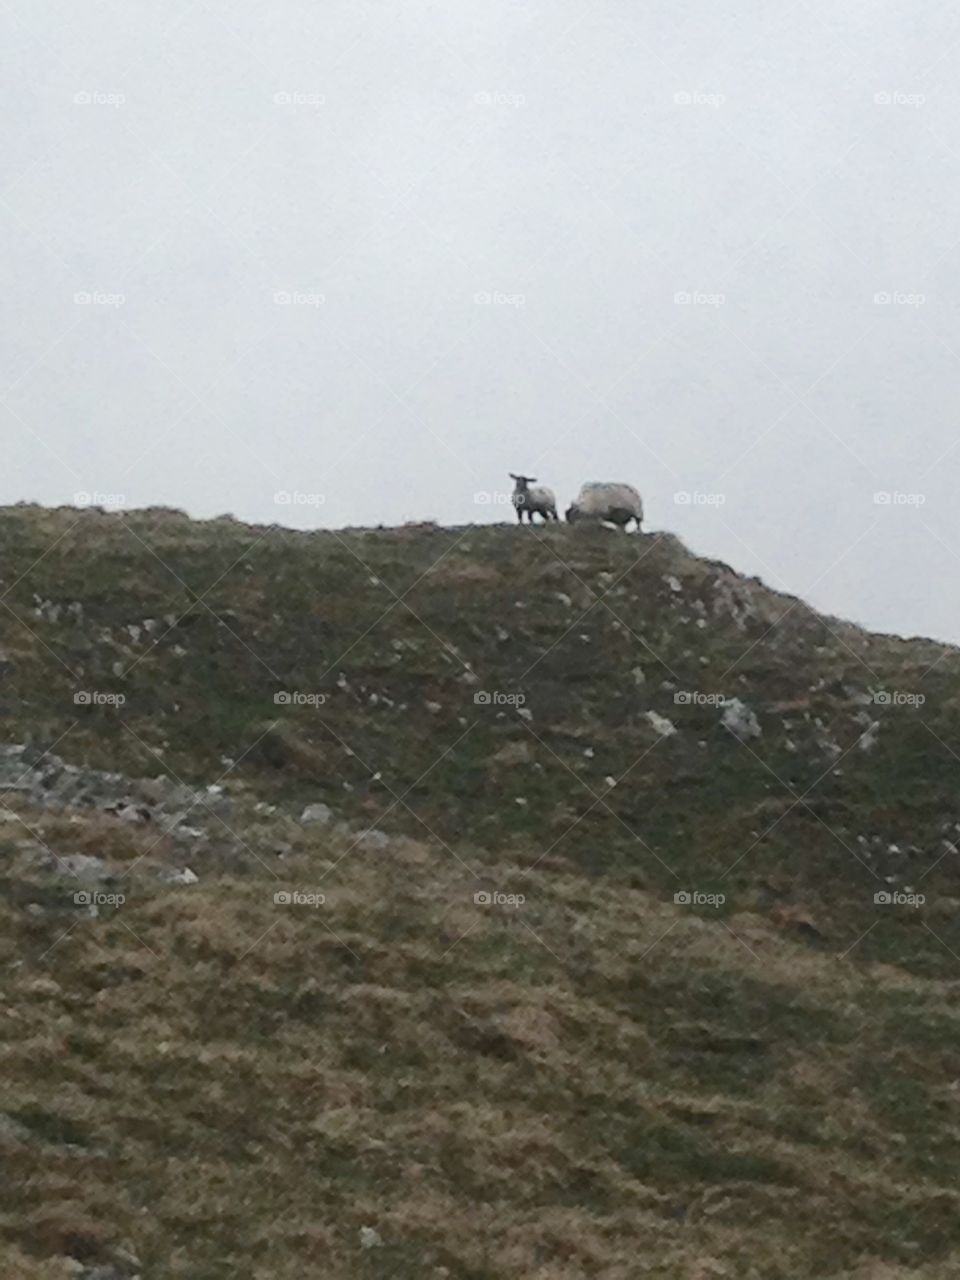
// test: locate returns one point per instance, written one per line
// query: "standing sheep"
(541, 499)
(606, 501)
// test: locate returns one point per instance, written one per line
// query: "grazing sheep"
(541, 499)
(613, 503)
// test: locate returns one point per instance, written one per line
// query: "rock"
(662, 725)
(869, 740)
(740, 720)
(373, 840)
(85, 867)
(513, 753)
(183, 876)
(127, 811)
(13, 1130)
(321, 814)
(370, 1239)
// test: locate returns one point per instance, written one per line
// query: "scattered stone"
(85, 867)
(183, 876)
(320, 814)
(13, 1130)
(370, 1239)
(373, 840)
(662, 725)
(513, 753)
(740, 720)
(127, 811)
(869, 739)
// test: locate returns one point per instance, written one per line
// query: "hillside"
(677, 1024)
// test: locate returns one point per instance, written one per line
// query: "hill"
(638, 934)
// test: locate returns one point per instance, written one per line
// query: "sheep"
(541, 499)
(613, 503)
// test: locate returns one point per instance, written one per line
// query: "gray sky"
(375, 256)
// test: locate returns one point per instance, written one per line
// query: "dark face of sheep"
(523, 482)
(573, 514)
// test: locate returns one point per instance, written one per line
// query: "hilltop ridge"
(638, 927)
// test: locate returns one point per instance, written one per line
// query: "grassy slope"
(762, 1090)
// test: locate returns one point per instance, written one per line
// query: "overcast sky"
(370, 257)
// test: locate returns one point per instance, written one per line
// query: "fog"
(352, 263)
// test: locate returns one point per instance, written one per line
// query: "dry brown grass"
(234, 1087)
